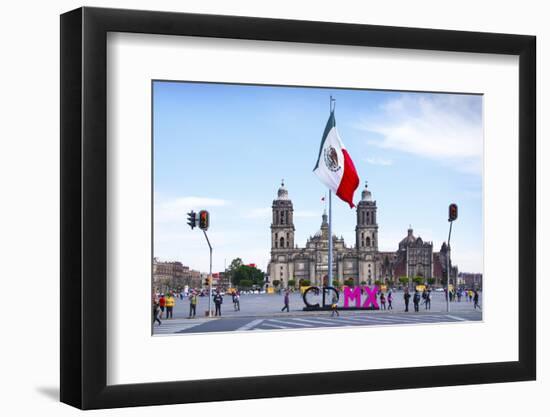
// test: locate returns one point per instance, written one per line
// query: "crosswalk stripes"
(291, 322)
(177, 325)
(250, 325)
(275, 326)
(312, 322)
(317, 321)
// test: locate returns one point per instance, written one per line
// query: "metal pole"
(329, 282)
(209, 277)
(449, 264)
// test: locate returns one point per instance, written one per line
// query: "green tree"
(291, 283)
(276, 283)
(363, 282)
(305, 282)
(349, 282)
(377, 282)
(431, 281)
(418, 280)
(245, 284)
(335, 283)
(233, 266)
(404, 280)
(240, 272)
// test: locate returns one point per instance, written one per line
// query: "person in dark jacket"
(428, 300)
(287, 302)
(416, 300)
(156, 311)
(406, 297)
(476, 300)
(218, 300)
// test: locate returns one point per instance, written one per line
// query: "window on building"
(368, 241)
(282, 242)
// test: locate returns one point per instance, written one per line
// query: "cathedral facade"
(361, 262)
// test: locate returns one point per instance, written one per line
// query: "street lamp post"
(449, 264)
(209, 276)
(453, 214)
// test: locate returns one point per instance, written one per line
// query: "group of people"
(456, 295)
(163, 306)
(426, 298)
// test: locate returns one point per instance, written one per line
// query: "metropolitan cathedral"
(362, 262)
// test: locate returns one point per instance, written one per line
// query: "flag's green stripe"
(331, 122)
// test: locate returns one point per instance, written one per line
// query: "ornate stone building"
(362, 262)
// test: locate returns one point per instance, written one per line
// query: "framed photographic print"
(292, 208)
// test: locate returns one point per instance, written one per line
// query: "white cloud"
(447, 128)
(379, 161)
(176, 209)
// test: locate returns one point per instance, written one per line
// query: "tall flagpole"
(329, 281)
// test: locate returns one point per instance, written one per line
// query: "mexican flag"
(334, 166)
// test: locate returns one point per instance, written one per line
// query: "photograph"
(288, 208)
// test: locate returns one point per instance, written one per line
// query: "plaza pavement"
(263, 312)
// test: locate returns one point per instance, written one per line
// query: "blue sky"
(225, 148)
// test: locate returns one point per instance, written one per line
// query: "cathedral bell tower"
(282, 224)
(366, 231)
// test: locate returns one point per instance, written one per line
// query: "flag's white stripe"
(330, 177)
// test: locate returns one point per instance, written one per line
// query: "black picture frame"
(84, 207)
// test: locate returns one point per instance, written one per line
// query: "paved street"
(260, 312)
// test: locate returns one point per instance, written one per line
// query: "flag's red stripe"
(350, 180)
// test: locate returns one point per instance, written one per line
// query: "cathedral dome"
(282, 194)
(409, 238)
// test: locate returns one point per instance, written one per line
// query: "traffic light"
(453, 212)
(204, 220)
(192, 219)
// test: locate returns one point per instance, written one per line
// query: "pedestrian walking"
(416, 300)
(237, 301)
(287, 302)
(476, 300)
(406, 297)
(193, 300)
(334, 306)
(170, 302)
(156, 311)
(383, 300)
(390, 300)
(162, 304)
(429, 300)
(218, 300)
